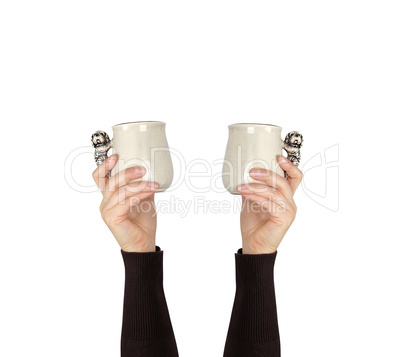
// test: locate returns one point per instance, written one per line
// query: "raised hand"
(268, 207)
(127, 207)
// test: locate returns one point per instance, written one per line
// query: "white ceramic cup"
(141, 143)
(256, 146)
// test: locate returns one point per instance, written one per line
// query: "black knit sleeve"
(147, 329)
(253, 329)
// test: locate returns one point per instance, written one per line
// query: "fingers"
(123, 177)
(286, 187)
(258, 189)
(294, 174)
(274, 180)
(100, 174)
(125, 206)
(130, 190)
(261, 191)
(263, 204)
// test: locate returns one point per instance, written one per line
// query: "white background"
(329, 69)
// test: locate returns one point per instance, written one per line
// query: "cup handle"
(102, 143)
(292, 144)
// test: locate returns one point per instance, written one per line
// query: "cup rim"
(259, 124)
(140, 122)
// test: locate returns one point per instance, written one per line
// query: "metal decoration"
(102, 143)
(292, 144)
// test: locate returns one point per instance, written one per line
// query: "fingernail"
(111, 158)
(139, 170)
(241, 187)
(153, 185)
(283, 160)
(258, 172)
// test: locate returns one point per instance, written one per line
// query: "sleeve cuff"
(145, 268)
(255, 269)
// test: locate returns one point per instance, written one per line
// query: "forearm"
(147, 329)
(253, 329)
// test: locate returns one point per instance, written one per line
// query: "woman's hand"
(268, 207)
(128, 209)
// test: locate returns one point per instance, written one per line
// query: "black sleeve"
(147, 330)
(253, 329)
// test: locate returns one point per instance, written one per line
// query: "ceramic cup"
(256, 146)
(141, 143)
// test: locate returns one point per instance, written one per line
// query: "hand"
(128, 209)
(268, 207)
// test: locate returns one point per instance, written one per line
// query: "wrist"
(139, 248)
(248, 248)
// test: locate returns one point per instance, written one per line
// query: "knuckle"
(300, 174)
(102, 212)
(289, 219)
(289, 216)
(106, 217)
(292, 215)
